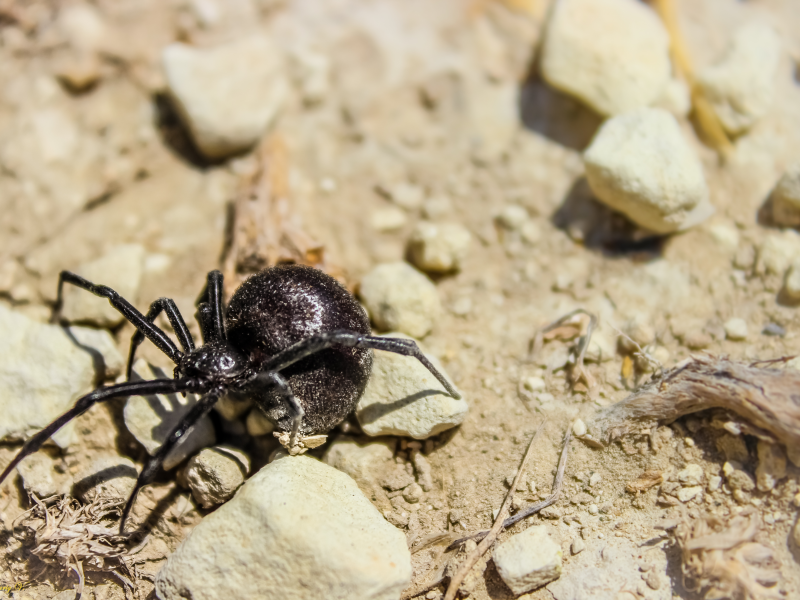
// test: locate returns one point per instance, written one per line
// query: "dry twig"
(566, 328)
(766, 398)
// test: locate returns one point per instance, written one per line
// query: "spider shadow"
(99, 365)
(374, 412)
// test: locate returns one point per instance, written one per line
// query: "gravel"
(400, 298)
(439, 248)
(741, 87)
(640, 165)
(528, 560)
(120, 269)
(404, 398)
(228, 95)
(771, 465)
(586, 41)
(360, 460)
(296, 529)
(736, 329)
(152, 418)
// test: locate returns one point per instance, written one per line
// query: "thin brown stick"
(474, 557)
(579, 371)
(533, 508)
(766, 398)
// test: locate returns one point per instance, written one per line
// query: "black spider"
(288, 330)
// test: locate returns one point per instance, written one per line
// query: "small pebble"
(400, 298)
(579, 428)
(535, 384)
(215, 474)
(577, 546)
(741, 87)
(791, 283)
(786, 198)
(736, 329)
(653, 581)
(593, 510)
(691, 475)
(688, 493)
(437, 207)
(391, 218)
(513, 217)
(462, 307)
(413, 493)
(108, 478)
(771, 465)
(714, 483)
(773, 329)
(640, 164)
(439, 248)
(595, 479)
(405, 195)
(528, 560)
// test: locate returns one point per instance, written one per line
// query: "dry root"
(724, 560)
(71, 537)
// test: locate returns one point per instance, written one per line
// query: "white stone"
(493, 117)
(107, 477)
(439, 248)
(120, 269)
(786, 198)
(791, 283)
(40, 477)
(534, 384)
(404, 398)
(513, 217)
(405, 195)
(612, 54)
(601, 348)
(736, 329)
(296, 529)
(741, 88)
(640, 164)
(215, 474)
(390, 218)
(228, 95)
(691, 475)
(400, 298)
(777, 252)
(675, 98)
(152, 418)
(737, 477)
(42, 374)
(360, 460)
(528, 560)
(231, 408)
(688, 493)
(771, 465)
(257, 423)
(579, 428)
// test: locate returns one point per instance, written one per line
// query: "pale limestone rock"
(689, 493)
(40, 477)
(107, 477)
(612, 54)
(215, 474)
(361, 461)
(737, 477)
(741, 88)
(404, 398)
(398, 297)
(771, 465)
(691, 475)
(296, 529)
(528, 560)
(778, 252)
(390, 218)
(227, 95)
(640, 165)
(42, 374)
(439, 248)
(120, 269)
(736, 329)
(791, 283)
(513, 217)
(786, 198)
(152, 418)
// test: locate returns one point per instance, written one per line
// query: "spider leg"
(176, 320)
(156, 386)
(276, 380)
(154, 463)
(352, 339)
(148, 329)
(209, 309)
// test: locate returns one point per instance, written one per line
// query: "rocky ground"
(474, 171)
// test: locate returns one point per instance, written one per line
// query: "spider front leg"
(168, 306)
(352, 339)
(135, 388)
(154, 463)
(148, 329)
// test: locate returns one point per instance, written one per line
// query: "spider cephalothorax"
(292, 338)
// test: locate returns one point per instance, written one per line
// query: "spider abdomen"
(286, 304)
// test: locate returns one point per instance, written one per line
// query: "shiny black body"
(292, 338)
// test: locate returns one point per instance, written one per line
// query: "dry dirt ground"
(418, 94)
